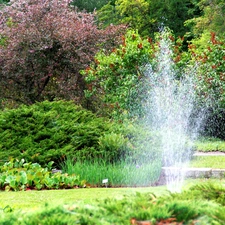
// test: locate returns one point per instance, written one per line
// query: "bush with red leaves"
(43, 46)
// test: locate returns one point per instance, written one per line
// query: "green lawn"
(79, 206)
(32, 200)
(214, 162)
(209, 144)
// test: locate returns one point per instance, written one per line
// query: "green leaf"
(23, 177)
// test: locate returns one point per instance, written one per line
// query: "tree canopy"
(44, 45)
(210, 20)
(89, 5)
(149, 16)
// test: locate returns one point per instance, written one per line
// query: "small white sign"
(104, 181)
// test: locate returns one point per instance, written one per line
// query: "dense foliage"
(48, 56)
(3, 2)
(211, 18)
(211, 67)
(43, 46)
(88, 5)
(52, 131)
(146, 15)
(119, 82)
(209, 60)
(189, 18)
(116, 79)
(19, 175)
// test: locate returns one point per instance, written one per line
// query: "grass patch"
(33, 200)
(209, 144)
(214, 162)
(203, 203)
(118, 174)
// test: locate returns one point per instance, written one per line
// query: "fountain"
(170, 107)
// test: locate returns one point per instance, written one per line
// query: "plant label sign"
(105, 181)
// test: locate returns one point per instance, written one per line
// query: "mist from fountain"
(171, 103)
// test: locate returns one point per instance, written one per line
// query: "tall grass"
(120, 174)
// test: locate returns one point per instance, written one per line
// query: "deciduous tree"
(89, 5)
(149, 16)
(116, 82)
(211, 18)
(46, 44)
(210, 87)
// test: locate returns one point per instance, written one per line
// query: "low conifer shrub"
(51, 131)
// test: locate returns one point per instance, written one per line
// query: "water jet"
(170, 105)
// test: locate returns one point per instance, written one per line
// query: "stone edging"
(214, 153)
(197, 172)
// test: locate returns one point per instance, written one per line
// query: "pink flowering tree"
(44, 44)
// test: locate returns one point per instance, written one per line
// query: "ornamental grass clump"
(120, 174)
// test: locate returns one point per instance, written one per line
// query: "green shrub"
(109, 142)
(53, 131)
(210, 191)
(50, 131)
(117, 85)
